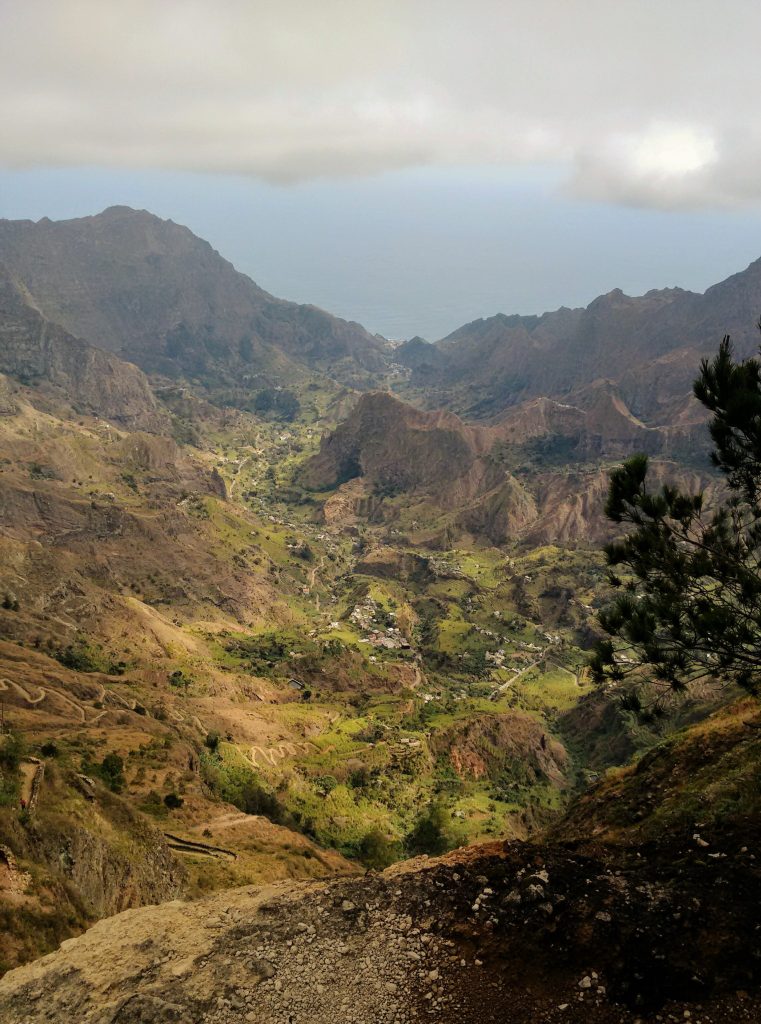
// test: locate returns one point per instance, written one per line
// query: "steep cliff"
(533, 474)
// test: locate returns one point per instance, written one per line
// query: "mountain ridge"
(493, 363)
(152, 291)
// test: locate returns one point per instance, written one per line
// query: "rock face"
(515, 742)
(8, 404)
(152, 292)
(37, 352)
(469, 471)
(401, 449)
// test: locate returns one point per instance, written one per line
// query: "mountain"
(37, 352)
(236, 651)
(152, 292)
(532, 475)
(650, 346)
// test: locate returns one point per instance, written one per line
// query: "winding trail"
(236, 474)
(5, 684)
(278, 752)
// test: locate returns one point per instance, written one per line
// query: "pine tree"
(689, 606)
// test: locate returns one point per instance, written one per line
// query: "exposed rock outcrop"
(518, 933)
(649, 345)
(473, 471)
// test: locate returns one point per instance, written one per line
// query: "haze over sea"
(416, 251)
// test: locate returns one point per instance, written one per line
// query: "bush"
(80, 658)
(431, 832)
(173, 801)
(154, 805)
(111, 770)
(325, 784)
(12, 750)
(359, 778)
(254, 799)
(377, 851)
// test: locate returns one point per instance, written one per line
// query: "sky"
(412, 165)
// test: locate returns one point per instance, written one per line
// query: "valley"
(279, 603)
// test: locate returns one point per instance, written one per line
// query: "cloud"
(639, 102)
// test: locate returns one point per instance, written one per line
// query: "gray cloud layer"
(641, 102)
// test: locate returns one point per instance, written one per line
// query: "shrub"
(154, 805)
(111, 770)
(377, 851)
(430, 833)
(12, 750)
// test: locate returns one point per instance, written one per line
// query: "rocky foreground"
(499, 933)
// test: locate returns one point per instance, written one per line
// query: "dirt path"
(562, 668)
(236, 473)
(444, 941)
(314, 570)
(230, 820)
(523, 671)
(79, 709)
(29, 770)
(6, 684)
(277, 752)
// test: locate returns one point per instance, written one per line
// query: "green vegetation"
(86, 656)
(233, 779)
(12, 749)
(432, 832)
(690, 602)
(110, 770)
